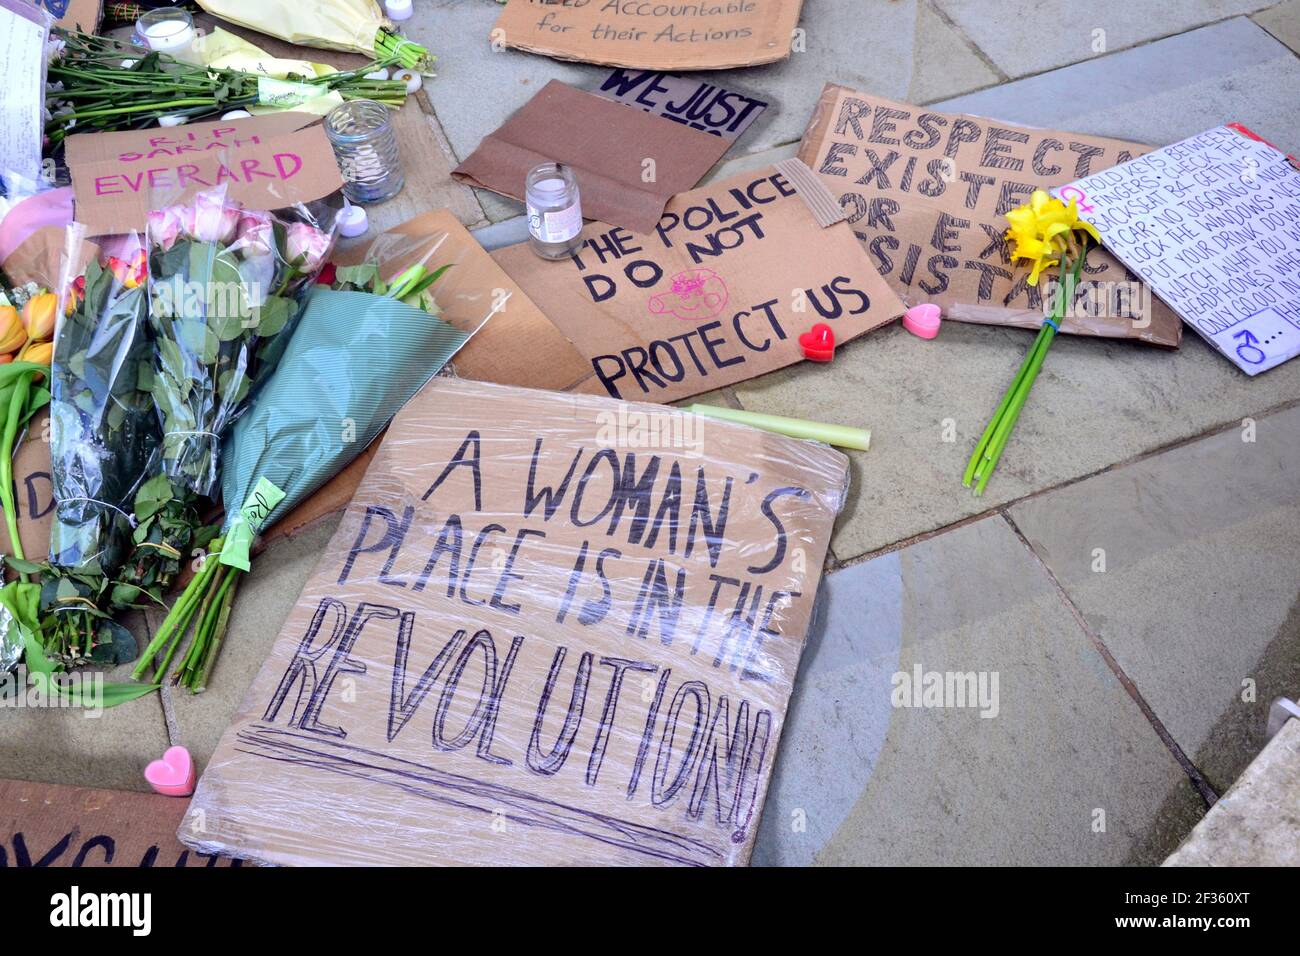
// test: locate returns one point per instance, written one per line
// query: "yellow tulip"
(42, 353)
(38, 316)
(12, 333)
(1041, 230)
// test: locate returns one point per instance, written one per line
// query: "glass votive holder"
(166, 30)
(365, 148)
(554, 211)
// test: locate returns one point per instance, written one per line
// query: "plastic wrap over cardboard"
(551, 629)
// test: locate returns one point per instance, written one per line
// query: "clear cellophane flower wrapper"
(103, 429)
(226, 287)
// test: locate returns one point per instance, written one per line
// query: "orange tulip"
(42, 353)
(12, 333)
(6, 359)
(38, 316)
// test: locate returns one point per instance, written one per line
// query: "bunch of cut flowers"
(317, 412)
(95, 84)
(103, 437)
(227, 285)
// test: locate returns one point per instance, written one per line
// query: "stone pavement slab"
(1164, 91)
(893, 47)
(861, 781)
(266, 596)
(1199, 599)
(1283, 21)
(1029, 36)
(1096, 402)
(1255, 823)
(72, 746)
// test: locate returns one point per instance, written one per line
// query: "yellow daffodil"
(1040, 231)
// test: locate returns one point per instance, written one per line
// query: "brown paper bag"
(927, 193)
(606, 144)
(551, 629)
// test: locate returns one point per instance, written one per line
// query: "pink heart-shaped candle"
(173, 775)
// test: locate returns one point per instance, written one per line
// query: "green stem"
(220, 633)
(1020, 390)
(22, 387)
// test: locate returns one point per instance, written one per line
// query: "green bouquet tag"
(248, 522)
(282, 93)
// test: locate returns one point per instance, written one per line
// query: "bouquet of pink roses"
(226, 285)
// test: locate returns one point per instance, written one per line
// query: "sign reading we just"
(266, 162)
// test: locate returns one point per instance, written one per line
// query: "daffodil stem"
(988, 452)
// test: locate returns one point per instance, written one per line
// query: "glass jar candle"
(365, 147)
(166, 30)
(554, 211)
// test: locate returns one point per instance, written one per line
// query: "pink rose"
(256, 235)
(306, 247)
(210, 219)
(164, 226)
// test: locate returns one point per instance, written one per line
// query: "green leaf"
(274, 315)
(235, 380)
(152, 496)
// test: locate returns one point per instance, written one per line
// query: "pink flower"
(164, 226)
(306, 247)
(256, 236)
(209, 218)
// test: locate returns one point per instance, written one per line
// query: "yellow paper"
(224, 50)
(330, 24)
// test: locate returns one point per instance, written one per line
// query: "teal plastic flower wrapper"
(353, 362)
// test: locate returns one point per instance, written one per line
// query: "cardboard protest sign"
(551, 629)
(266, 162)
(628, 163)
(927, 193)
(34, 489)
(47, 824)
(695, 103)
(652, 34)
(1213, 224)
(80, 15)
(718, 292)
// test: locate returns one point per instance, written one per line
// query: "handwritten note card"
(551, 629)
(22, 94)
(1213, 224)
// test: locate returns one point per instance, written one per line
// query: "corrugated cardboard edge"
(819, 200)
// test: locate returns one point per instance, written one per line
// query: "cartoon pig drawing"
(696, 294)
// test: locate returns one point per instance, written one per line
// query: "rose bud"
(306, 247)
(214, 220)
(38, 316)
(256, 236)
(164, 227)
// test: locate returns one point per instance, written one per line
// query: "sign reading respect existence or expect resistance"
(652, 34)
(1213, 223)
(551, 629)
(928, 193)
